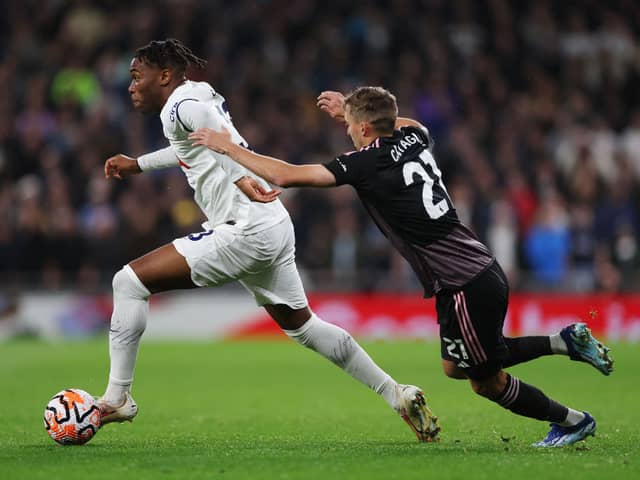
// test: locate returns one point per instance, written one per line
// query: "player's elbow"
(281, 180)
(288, 176)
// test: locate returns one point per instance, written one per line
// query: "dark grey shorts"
(471, 321)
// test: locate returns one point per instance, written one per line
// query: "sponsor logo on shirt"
(172, 112)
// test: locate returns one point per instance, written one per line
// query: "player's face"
(145, 87)
(354, 130)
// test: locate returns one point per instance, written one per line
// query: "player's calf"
(521, 398)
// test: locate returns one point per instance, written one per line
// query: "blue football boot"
(561, 436)
(584, 347)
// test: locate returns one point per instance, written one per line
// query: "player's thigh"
(217, 256)
(471, 322)
(279, 283)
(163, 269)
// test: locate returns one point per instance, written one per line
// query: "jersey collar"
(375, 143)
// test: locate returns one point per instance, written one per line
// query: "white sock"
(558, 345)
(128, 322)
(338, 346)
(574, 417)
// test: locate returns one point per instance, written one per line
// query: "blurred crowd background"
(534, 106)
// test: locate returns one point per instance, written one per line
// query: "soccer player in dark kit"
(399, 183)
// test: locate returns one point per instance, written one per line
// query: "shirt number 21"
(434, 210)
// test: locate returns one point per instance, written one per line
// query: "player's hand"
(256, 192)
(120, 166)
(333, 104)
(217, 141)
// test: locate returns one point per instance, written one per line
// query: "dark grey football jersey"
(401, 187)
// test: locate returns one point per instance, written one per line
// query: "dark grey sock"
(523, 349)
(528, 401)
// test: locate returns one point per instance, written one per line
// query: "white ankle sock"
(128, 322)
(338, 346)
(115, 392)
(558, 345)
(574, 417)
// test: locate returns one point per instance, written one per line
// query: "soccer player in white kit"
(247, 241)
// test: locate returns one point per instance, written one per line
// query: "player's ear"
(165, 77)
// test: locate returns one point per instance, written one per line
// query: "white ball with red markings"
(72, 417)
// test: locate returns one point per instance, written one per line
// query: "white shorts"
(263, 262)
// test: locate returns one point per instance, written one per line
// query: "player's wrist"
(243, 178)
(234, 150)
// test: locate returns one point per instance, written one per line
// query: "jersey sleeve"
(349, 168)
(193, 114)
(159, 159)
(422, 132)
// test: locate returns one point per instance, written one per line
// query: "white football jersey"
(212, 175)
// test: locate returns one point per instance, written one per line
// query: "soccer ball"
(72, 417)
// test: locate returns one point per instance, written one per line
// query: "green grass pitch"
(275, 410)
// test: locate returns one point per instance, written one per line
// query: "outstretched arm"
(197, 115)
(163, 158)
(332, 103)
(271, 169)
(120, 166)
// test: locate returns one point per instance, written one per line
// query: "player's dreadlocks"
(170, 53)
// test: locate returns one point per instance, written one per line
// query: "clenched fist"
(120, 166)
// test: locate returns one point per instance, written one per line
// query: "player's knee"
(481, 388)
(451, 370)
(491, 387)
(288, 318)
(126, 284)
(130, 305)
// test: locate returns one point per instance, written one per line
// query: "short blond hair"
(374, 105)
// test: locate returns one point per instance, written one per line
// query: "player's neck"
(374, 135)
(171, 88)
(369, 140)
